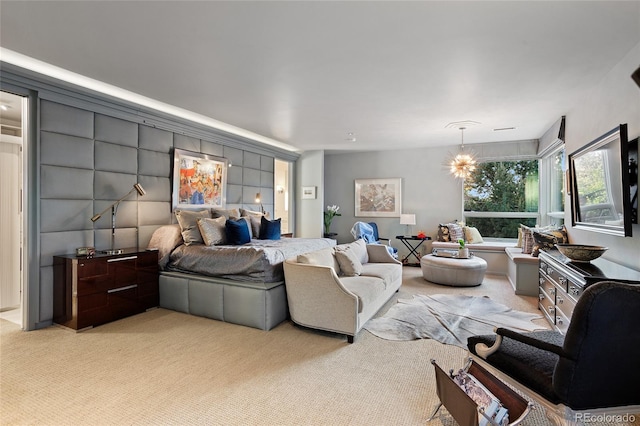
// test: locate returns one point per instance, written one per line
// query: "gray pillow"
(229, 214)
(213, 230)
(188, 221)
(349, 263)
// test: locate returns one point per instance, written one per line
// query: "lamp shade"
(407, 219)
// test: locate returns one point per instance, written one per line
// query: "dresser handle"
(120, 259)
(552, 310)
(541, 296)
(563, 281)
(560, 300)
(129, 287)
(559, 320)
(553, 291)
(574, 291)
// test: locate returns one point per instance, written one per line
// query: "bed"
(241, 284)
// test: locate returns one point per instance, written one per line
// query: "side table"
(409, 243)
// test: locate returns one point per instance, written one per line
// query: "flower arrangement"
(332, 211)
(461, 242)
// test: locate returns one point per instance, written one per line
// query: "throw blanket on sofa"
(449, 319)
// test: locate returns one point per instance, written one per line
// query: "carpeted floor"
(164, 367)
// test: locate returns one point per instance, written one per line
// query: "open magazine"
(492, 410)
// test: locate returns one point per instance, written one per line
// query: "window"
(552, 176)
(502, 195)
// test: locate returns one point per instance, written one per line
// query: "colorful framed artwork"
(199, 180)
(378, 197)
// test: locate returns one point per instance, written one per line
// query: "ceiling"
(315, 74)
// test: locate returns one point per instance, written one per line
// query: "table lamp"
(408, 220)
(114, 208)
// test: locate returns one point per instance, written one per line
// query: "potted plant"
(463, 252)
(329, 214)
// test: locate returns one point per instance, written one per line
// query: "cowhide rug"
(449, 319)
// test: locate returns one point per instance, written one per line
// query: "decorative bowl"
(581, 252)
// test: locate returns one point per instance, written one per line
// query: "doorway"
(282, 208)
(11, 217)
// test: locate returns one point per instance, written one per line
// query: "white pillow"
(472, 235)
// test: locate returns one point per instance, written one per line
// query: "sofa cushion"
(213, 230)
(188, 221)
(387, 272)
(368, 289)
(349, 263)
(359, 247)
(322, 257)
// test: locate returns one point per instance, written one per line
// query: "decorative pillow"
(245, 212)
(255, 222)
(546, 238)
(456, 232)
(269, 229)
(443, 233)
(323, 257)
(519, 243)
(188, 221)
(228, 214)
(472, 235)
(527, 239)
(213, 231)
(237, 231)
(349, 262)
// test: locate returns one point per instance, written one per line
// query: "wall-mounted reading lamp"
(114, 208)
(259, 200)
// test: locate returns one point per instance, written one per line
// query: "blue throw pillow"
(269, 229)
(237, 232)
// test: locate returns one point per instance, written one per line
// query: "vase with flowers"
(329, 214)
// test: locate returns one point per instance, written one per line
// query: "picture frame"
(309, 193)
(378, 197)
(199, 180)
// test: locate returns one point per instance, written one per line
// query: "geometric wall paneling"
(53, 243)
(116, 131)
(152, 163)
(155, 139)
(211, 148)
(144, 234)
(251, 177)
(64, 150)
(234, 194)
(116, 158)
(186, 142)
(65, 215)
(249, 194)
(113, 186)
(234, 155)
(156, 188)
(234, 175)
(126, 214)
(46, 287)
(125, 238)
(267, 163)
(66, 183)
(58, 118)
(266, 179)
(154, 213)
(251, 160)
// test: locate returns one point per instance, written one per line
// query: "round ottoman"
(453, 271)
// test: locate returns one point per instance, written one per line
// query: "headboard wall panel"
(88, 160)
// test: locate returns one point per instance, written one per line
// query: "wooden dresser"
(89, 291)
(562, 282)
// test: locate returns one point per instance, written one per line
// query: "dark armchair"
(593, 369)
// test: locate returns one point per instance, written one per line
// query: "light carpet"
(449, 319)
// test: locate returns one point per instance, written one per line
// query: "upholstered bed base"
(257, 305)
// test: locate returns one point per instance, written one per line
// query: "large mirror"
(600, 194)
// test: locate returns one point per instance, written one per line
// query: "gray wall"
(88, 160)
(614, 101)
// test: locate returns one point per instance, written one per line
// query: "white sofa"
(325, 292)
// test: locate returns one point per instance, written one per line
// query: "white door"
(10, 207)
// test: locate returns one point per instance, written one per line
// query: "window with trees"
(501, 195)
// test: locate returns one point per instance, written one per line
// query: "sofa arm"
(317, 298)
(378, 253)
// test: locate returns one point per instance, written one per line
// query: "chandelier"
(463, 164)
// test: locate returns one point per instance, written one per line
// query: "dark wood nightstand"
(89, 291)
